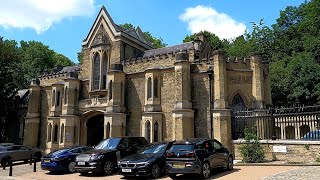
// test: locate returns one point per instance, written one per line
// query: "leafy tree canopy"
(155, 42)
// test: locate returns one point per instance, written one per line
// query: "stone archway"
(95, 130)
(92, 128)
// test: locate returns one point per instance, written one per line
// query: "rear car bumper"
(184, 168)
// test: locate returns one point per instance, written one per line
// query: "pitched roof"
(133, 33)
(166, 50)
(61, 70)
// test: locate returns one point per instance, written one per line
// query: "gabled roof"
(61, 70)
(177, 48)
(117, 30)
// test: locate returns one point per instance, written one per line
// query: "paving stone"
(304, 173)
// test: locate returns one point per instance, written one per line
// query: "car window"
(124, 143)
(182, 148)
(77, 150)
(153, 149)
(217, 145)
(208, 145)
(108, 144)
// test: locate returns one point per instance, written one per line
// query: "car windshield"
(108, 144)
(182, 148)
(60, 151)
(153, 149)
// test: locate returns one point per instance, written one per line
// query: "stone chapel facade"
(124, 87)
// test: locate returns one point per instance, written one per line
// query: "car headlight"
(57, 158)
(143, 164)
(96, 157)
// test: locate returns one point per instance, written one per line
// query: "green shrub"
(252, 151)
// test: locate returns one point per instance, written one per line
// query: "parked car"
(313, 135)
(197, 156)
(18, 153)
(63, 159)
(104, 157)
(149, 161)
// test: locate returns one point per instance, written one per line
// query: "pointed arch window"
(53, 97)
(96, 72)
(55, 134)
(155, 88)
(49, 132)
(75, 134)
(108, 130)
(149, 88)
(66, 95)
(110, 90)
(62, 133)
(155, 132)
(58, 99)
(147, 131)
(238, 103)
(104, 70)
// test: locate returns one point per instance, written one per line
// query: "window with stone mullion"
(96, 72)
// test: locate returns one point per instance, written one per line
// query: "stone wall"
(296, 151)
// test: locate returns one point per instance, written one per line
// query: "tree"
(215, 42)
(8, 88)
(155, 42)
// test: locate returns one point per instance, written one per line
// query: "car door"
(221, 154)
(210, 153)
(14, 153)
(25, 152)
(123, 147)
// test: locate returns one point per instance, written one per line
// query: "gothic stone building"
(124, 87)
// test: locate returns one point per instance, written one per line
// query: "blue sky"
(63, 24)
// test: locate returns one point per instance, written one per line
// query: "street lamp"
(210, 75)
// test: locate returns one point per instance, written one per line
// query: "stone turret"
(183, 115)
(115, 117)
(32, 119)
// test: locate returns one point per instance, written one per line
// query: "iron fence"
(294, 123)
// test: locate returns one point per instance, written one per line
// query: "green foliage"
(318, 159)
(307, 146)
(215, 42)
(80, 57)
(155, 42)
(252, 151)
(8, 87)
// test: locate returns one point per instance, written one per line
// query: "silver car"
(18, 153)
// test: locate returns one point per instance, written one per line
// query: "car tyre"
(108, 168)
(155, 171)
(37, 156)
(172, 176)
(4, 161)
(84, 173)
(71, 167)
(206, 170)
(230, 163)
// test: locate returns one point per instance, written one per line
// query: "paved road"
(25, 171)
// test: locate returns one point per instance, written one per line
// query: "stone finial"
(116, 67)
(35, 82)
(182, 56)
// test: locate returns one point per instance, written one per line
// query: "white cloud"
(202, 18)
(41, 14)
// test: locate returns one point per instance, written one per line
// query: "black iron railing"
(295, 123)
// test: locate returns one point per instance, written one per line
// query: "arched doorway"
(237, 124)
(95, 129)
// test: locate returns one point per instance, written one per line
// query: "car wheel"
(4, 162)
(108, 167)
(71, 167)
(155, 171)
(37, 156)
(172, 176)
(230, 163)
(206, 170)
(84, 173)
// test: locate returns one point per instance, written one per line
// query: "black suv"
(197, 156)
(104, 157)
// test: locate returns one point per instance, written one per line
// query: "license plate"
(126, 170)
(81, 163)
(46, 160)
(178, 165)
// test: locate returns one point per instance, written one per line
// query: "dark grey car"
(18, 153)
